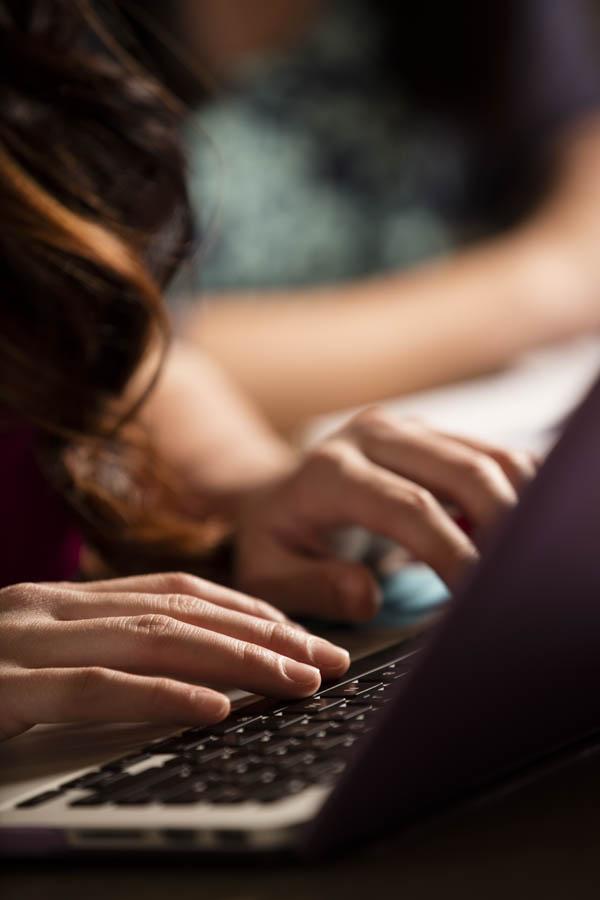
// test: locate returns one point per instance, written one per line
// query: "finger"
(520, 466)
(182, 583)
(54, 695)
(451, 469)
(355, 491)
(154, 644)
(325, 589)
(280, 637)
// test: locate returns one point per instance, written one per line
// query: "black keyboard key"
(39, 799)
(180, 744)
(197, 785)
(166, 747)
(96, 780)
(381, 694)
(241, 766)
(332, 742)
(186, 794)
(204, 757)
(279, 790)
(382, 690)
(349, 690)
(295, 761)
(145, 782)
(256, 723)
(92, 800)
(246, 718)
(233, 723)
(202, 733)
(319, 704)
(242, 737)
(344, 713)
(228, 796)
(277, 747)
(125, 762)
(260, 776)
(142, 781)
(308, 730)
(371, 678)
(283, 719)
(270, 794)
(390, 675)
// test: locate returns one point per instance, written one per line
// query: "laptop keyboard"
(262, 753)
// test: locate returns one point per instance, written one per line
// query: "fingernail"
(301, 674)
(326, 655)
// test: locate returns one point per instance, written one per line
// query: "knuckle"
(509, 457)
(280, 633)
(153, 626)
(516, 461)
(377, 425)
(331, 459)
(325, 458)
(25, 594)
(373, 417)
(370, 425)
(254, 656)
(481, 470)
(182, 605)
(92, 682)
(181, 583)
(421, 502)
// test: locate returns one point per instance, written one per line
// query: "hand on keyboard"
(135, 650)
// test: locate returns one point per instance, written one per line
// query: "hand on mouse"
(391, 477)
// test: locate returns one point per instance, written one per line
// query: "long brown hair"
(94, 219)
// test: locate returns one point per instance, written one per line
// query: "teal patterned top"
(314, 168)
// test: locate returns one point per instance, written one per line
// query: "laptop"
(506, 681)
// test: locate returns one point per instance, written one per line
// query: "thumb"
(328, 589)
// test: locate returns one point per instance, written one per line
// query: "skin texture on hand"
(138, 649)
(390, 477)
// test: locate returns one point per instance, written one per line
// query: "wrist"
(228, 496)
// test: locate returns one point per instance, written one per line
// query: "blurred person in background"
(393, 195)
(115, 437)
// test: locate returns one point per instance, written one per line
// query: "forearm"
(302, 353)
(209, 435)
(299, 356)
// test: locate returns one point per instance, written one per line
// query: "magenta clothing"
(39, 542)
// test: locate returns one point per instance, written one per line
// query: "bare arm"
(286, 509)
(210, 434)
(303, 353)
